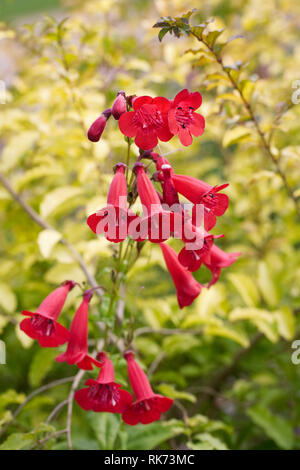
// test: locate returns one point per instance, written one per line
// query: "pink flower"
(103, 394)
(187, 288)
(43, 325)
(148, 122)
(96, 129)
(77, 350)
(182, 117)
(148, 406)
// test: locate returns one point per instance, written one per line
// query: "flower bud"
(119, 106)
(98, 126)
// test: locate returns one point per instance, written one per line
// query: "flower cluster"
(103, 394)
(163, 216)
(148, 120)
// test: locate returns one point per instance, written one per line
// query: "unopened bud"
(98, 126)
(119, 106)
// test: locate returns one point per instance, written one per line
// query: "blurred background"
(235, 383)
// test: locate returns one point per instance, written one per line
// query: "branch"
(166, 331)
(32, 395)
(76, 381)
(47, 438)
(56, 410)
(264, 141)
(45, 225)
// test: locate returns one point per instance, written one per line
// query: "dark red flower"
(115, 218)
(77, 350)
(98, 126)
(103, 394)
(148, 122)
(119, 106)
(43, 325)
(148, 406)
(182, 117)
(187, 288)
(217, 260)
(193, 259)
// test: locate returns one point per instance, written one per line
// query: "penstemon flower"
(42, 324)
(98, 126)
(103, 394)
(187, 288)
(182, 117)
(114, 219)
(77, 350)
(148, 406)
(148, 121)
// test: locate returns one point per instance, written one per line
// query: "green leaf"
(200, 441)
(8, 299)
(266, 285)
(106, 427)
(170, 392)
(277, 428)
(211, 37)
(235, 135)
(9, 397)
(245, 287)
(286, 322)
(47, 239)
(16, 441)
(41, 365)
(229, 333)
(57, 197)
(162, 33)
(148, 437)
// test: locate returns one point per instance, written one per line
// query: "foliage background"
(227, 358)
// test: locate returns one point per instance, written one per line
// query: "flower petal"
(183, 95)
(198, 125)
(126, 125)
(185, 137)
(145, 139)
(138, 102)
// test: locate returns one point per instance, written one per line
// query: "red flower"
(199, 192)
(119, 106)
(148, 406)
(114, 219)
(217, 260)
(159, 161)
(103, 394)
(42, 325)
(98, 126)
(193, 259)
(187, 287)
(77, 350)
(156, 222)
(182, 117)
(148, 122)
(170, 195)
